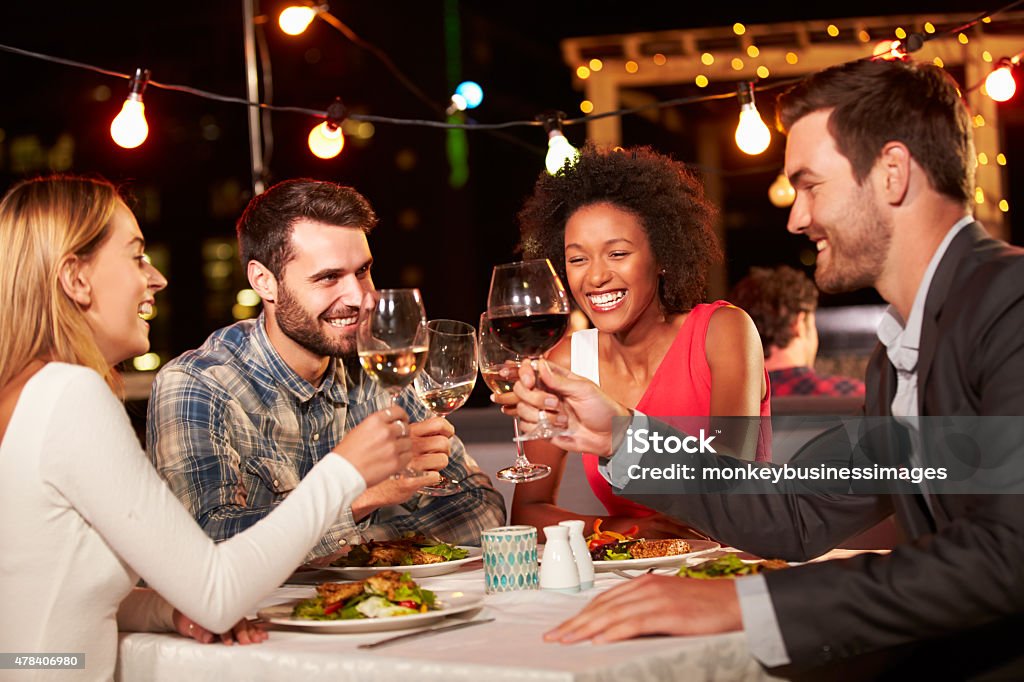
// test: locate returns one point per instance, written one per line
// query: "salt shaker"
(558, 570)
(580, 553)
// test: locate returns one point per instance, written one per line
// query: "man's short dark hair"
(774, 297)
(665, 197)
(265, 228)
(877, 101)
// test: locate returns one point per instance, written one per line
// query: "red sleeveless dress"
(681, 386)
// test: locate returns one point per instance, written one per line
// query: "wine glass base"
(540, 432)
(441, 490)
(524, 474)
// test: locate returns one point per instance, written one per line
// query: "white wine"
(497, 383)
(445, 400)
(393, 369)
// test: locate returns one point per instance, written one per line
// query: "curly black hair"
(773, 297)
(666, 198)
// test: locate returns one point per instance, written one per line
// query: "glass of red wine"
(500, 369)
(528, 312)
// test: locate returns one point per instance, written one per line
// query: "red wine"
(530, 335)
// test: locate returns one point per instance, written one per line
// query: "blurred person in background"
(782, 301)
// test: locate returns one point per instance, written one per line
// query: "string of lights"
(129, 128)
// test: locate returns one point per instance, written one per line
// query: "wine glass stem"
(521, 460)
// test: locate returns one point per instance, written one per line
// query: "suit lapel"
(938, 294)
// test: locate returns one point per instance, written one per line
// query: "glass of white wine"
(392, 341)
(447, 378)
(496, 359)
(392, 337)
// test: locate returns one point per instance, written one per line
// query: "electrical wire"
(443, 124)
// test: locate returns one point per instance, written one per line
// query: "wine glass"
(529, 312)
(494, 358)
(392, 341)
(447, 379)
(392, 338)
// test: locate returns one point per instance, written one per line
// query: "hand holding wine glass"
(447, 378)
(528, 311)
(392, 341)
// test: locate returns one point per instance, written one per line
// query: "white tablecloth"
(510, 648)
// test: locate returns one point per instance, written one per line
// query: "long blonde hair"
(43, 221)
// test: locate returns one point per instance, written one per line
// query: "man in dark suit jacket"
(882, 160)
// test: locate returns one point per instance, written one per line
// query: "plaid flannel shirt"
(805, 381)
(232, 429)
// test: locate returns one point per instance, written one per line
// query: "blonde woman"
(82, 512)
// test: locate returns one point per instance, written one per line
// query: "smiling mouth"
(607, 300)
(341, 322)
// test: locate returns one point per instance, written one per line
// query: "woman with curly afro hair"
(630, 231)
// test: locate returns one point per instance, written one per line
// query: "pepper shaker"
(558, 570)
(580, 553)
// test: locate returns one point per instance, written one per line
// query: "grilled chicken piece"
(384, 583)
(387, 556)
(419, 557)
(333, 593)
(772, 564)
(650, 549)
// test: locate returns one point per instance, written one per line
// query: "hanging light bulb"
(326, 140)
(752, 135)
(1000, 84)
(468, 95)
(471, 92)
(296, 19)
(781, 192)
(559, 148)
(129, 128)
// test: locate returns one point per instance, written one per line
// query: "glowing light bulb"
(294, 20)
(326, 140)
(781, 192)
(559, 151)
(752, 135)
(471, 92)
(129, 128)
(999, 84)
(887, 49)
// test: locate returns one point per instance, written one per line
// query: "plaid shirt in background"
(804, 381)
(232, 429)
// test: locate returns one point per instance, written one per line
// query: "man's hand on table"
(431, 447)
(654, 605)
(244, 631)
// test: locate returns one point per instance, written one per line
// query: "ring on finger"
(403, 427)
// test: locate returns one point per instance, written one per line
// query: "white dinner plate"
(696, 547)
(416, 571)
(450, 602)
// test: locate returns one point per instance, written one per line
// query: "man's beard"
(858, 249)
(304, 329)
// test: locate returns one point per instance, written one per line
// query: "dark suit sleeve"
(965, 576)
(795, 521)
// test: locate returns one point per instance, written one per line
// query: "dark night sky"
(192, 175)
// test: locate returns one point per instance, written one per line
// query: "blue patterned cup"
(510, 558)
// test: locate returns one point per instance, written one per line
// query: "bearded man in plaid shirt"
(234, 425)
